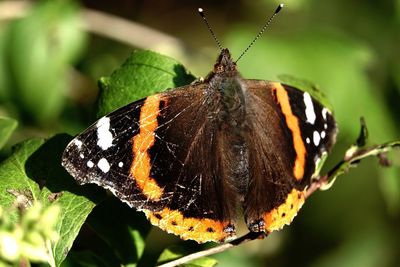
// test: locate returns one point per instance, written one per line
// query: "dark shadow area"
(44, 167)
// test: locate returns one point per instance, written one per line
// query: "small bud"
(9, 247)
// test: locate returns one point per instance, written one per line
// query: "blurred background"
(53, 52)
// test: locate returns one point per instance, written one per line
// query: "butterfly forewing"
(172, 173)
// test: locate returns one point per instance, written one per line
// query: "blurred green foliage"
(26, 241)
(37, 52)
(49, 67)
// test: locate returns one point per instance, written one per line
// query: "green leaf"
(122, 228)
(7, 127)
(86, 259)
(143, 73)
(33, 173)
(16, 187)
(175, 252)
(40, 49)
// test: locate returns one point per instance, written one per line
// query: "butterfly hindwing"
(286, 156)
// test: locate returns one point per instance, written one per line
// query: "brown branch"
(241, 240)
(13, 9)
(109, 26)
(131, 33)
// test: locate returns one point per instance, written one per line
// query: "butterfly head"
(225, 64)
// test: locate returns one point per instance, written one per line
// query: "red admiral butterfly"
(191, 156)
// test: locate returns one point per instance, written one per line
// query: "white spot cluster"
(78, 143)
(316, 138)
(90, 164)
(324, 111)
(311, 117)
(104, 136)
(103, 165)
(310, 113)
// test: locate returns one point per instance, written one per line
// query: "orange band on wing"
(293, 124)
(142, 142)
(284, 214)
(200, 230)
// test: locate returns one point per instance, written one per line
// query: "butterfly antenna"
(201, 12)
(261, 31)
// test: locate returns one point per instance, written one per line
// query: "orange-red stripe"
(142, 142)
(293, 124)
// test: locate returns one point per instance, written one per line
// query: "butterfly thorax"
(225, 82)
(226, 85)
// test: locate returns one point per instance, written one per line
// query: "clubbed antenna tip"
(201, 12)
(280, 6)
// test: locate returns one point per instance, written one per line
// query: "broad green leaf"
(16, 186)
(143, 73)
(87, 259)
(40, 49)
(7, 127)
(122, 228)
(33, 173)
(176, 252)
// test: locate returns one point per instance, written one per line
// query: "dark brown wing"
(293, 131)
(159, 155)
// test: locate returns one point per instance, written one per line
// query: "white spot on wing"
(325, 126)
(316, 138)
(323, 134)
(78, 143)
(120, 164)
(104, 136)
(81, 156)
(310, 114)
(103, 165)
(90, 164)
(308, 140)
(324, 112)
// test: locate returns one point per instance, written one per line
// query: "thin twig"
(13, 9)
(109, 26)
(316, 185)
(241, 240)
(131, 33)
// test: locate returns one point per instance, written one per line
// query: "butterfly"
(194, 157)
